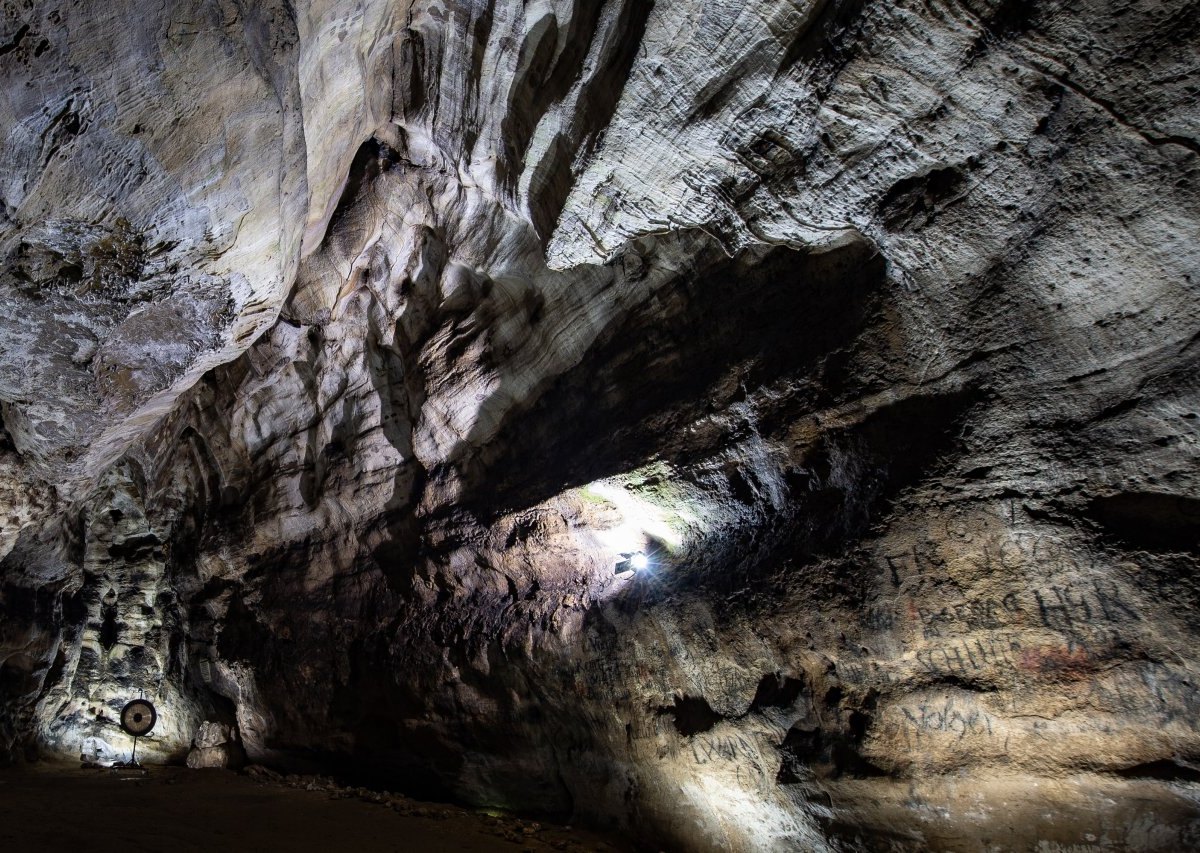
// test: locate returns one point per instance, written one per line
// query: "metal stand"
(131, 766)
(137, 719)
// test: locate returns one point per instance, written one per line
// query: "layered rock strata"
(351, 349)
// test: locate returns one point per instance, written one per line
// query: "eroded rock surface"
(350, 350)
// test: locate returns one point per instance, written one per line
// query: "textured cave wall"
(349, 346)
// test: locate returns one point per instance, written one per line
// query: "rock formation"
(348, 350)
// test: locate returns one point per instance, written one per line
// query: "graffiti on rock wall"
(946, 717)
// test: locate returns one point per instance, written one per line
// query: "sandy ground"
(52, 807)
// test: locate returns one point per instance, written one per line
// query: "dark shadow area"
(1166, 770)
(6, 443)
(373, 158)
(707, 341)
(544, 83)
(828, 754)
(692, 715)
(829, 39)
(1149, 521)
(176, 809)
(109, 629)
(776, 691)
(773, 318)
(913, 202)
(838, 488)
(29, 612)
(845, 480)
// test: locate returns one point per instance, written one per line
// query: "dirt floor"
(52, 807)
(971, 813)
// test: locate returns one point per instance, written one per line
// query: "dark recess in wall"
(1149, 521)
(747, 322)
(692, 715)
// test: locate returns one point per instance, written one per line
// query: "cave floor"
(50, 807)
(966, 813)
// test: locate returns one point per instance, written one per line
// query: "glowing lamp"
(639, 561)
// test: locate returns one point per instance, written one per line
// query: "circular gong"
(138, 717)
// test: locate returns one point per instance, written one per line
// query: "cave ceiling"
(351, 353)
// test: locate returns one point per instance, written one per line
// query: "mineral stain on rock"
(350, 352)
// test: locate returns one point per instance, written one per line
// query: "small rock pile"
(215, 745)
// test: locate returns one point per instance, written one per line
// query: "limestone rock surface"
(215, 746)
(348, 348)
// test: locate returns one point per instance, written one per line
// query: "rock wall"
(352, 348)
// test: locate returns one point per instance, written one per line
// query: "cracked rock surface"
(349, 351)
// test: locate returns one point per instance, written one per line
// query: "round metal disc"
(138, 717)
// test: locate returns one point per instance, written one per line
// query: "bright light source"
(639, 561)
(639, 518)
